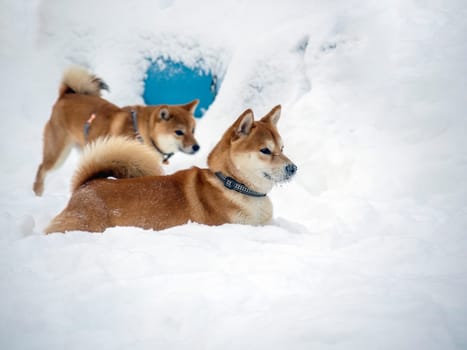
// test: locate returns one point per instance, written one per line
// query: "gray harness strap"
(134, 119)
(87, 125)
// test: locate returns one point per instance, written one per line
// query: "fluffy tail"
(117, 157)
(78, 80)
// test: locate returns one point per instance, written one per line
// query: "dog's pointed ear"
(164, 113)
(244, 123)
(191, 106)
(273, 116)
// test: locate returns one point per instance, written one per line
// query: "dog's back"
(79, 97)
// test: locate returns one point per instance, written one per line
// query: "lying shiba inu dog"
(80, 116)
(242, 169)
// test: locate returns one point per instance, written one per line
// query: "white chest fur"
(251, 210)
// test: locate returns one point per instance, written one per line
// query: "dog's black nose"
(290, 169)
(195, 148)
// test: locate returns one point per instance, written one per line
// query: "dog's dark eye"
(179, 132)
(265, 150)
(193, 131)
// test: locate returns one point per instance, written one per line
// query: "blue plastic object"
(171, 82)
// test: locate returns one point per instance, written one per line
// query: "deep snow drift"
(367, 249)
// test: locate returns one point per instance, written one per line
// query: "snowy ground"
(368, 248)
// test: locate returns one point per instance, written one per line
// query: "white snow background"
(368, 247)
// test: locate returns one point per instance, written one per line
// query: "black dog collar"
(134, 119)
(233, 184)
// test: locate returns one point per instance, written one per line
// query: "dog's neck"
(150, 141)
(234, 185)
(219, 162)
(165, 156)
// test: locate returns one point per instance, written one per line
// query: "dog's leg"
(56, 147)
(81, 214)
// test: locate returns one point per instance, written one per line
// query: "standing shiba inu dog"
(242, 169)
(80, 115)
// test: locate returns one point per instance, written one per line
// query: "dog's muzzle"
(290, 170)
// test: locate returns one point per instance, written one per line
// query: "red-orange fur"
(79, 98)
(159, 202)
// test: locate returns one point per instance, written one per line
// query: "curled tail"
(118, 157)
(78, 80)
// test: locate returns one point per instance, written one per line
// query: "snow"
(368, 245)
